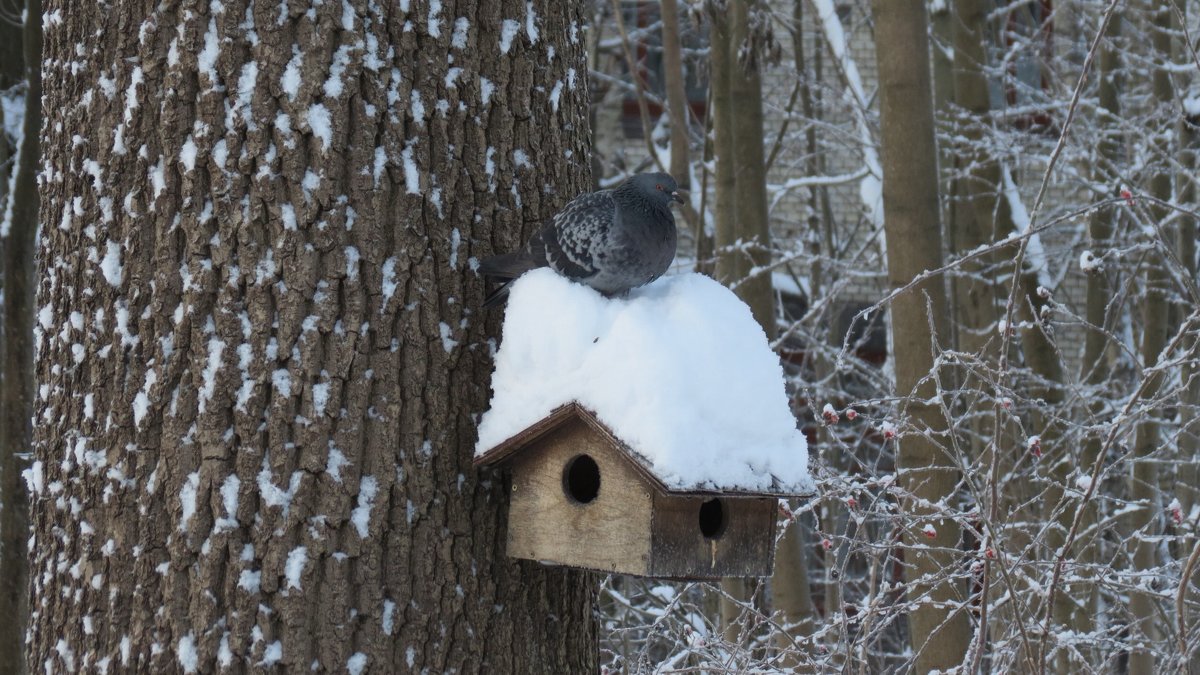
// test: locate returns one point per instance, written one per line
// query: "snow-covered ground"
(679, 370)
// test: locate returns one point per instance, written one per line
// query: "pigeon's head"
(659, 188)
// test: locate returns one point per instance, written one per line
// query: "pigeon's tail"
(505, 268)
(497, 296)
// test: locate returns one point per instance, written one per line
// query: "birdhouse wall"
(742, 546)
(609, 533)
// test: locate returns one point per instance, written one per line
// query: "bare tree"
(1144, 488)
(938, 624)
(674, 78)
(261, 358)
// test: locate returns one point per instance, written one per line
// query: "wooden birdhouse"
(581, 497)
(647, 434)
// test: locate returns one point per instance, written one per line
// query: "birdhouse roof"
(678, 374)
(512, 446)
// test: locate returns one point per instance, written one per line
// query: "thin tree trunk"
(16, 368)
(741, 203)
(791, 594)
(12, 46)
(974, 224)
(1187, 487)
(752, 227)
(1079, 612)
(938, 623)
(722, 64)
(942, 21)
(725, 211)
(1144, 489)
(674, 78)
(262, 348)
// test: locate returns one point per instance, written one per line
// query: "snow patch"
(335, 462)
(294, 569)
(434, 25)
(321, 124)
(187, 499)
(458, 39)
(110, 266)
(412, 175)
(508, 31)
(189, 659)
(361, 516)
(291, 74)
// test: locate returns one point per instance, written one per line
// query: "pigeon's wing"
(568, 244)
(574, 239)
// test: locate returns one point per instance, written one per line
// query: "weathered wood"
(609, 533)
(744, 547)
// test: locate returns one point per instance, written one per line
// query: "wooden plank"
(611, 533)
(745, 548)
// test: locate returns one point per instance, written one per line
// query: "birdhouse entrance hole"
(581, 479)
(712, 519)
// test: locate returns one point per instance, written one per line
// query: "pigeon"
(612, 240)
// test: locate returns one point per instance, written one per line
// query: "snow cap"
(679, 371)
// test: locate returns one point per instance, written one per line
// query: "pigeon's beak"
(677, 197)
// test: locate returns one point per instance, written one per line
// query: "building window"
(1022, 39)
(643, 24)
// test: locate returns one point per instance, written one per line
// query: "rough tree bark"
(17, 237)
(938, 624)
(261, 353)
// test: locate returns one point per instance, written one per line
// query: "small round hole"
(581, 479)
(712, 519)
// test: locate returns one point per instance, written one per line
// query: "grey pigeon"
(612, 240)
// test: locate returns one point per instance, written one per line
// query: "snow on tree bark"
(260, 356)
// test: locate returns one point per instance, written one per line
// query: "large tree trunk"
(261, 353)
(938, 623)
(17, 241)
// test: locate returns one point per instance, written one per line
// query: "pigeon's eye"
(659, 187)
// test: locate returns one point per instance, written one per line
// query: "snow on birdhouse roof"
(679, 371)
